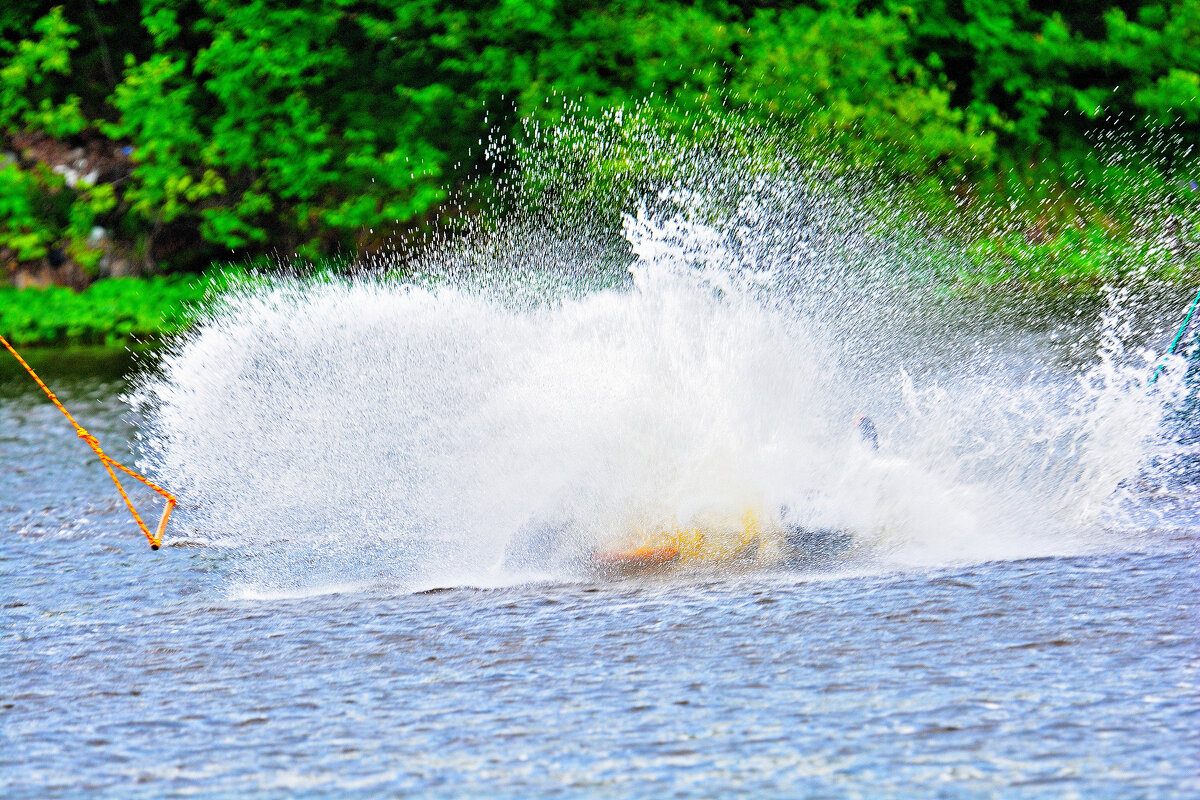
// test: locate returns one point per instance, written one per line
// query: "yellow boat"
(665, 544)
(707, 540)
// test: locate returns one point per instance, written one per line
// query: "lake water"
(127, 673)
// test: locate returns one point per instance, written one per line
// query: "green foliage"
(89, 205)
(1173, 96)
(37, 211)
(155, 110)
(330, 125)
(27, 96)
(1044, 78)
(1077, 258)
(112, 312)
(23, 201)
(852, 79)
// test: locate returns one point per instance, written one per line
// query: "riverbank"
(114, 311)
(137, 139)
(123, 312)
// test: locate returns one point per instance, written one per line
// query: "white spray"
(406, 431)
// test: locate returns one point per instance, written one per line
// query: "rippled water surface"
(126, 673)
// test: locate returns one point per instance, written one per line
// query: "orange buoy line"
(155, 538)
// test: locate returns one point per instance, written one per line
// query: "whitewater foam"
(410, 431)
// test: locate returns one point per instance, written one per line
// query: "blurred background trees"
(164, 134)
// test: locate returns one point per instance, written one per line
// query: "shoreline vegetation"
(142, 142)
(135, 311)
(114, 312)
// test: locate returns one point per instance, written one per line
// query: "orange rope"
(155, 538)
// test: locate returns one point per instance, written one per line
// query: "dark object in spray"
(866, 429)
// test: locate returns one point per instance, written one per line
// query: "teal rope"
(1178, 336)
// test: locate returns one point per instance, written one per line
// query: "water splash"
(574, 370)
